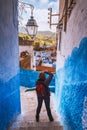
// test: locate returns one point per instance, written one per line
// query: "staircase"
(38, 126)
(26, 120)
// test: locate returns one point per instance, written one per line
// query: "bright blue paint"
(9, 63)
(9, 101)
(28, 79)
(71, 87)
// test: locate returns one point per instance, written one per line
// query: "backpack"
(40, 90)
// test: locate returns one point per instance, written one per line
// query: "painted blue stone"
(9, 101)
(28, 79)
(71, 87)
(9, 63)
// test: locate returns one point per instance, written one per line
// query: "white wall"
(76, 30)
(26, 48)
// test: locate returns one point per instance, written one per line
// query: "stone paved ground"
(28, 111)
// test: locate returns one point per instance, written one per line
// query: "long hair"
(42, 76)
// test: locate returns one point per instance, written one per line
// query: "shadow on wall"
(71, 88)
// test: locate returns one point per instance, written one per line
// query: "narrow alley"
(26, 120)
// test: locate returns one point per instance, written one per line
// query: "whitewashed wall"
(76, 30)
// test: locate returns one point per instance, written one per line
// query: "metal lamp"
(32, 27)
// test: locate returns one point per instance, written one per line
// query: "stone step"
(38, 126)
(26, 120)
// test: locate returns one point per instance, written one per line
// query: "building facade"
(71, 72)
(71, 27)
(27, 61)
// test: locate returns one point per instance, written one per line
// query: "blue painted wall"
(28, 79)
(71, 88)
(9, 101)
(9, 63)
